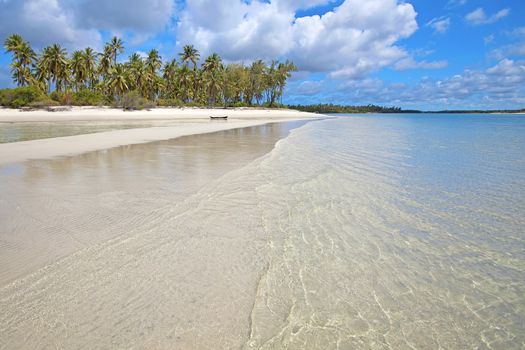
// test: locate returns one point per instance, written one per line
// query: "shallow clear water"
(25, 131)
(396, 232)
(360, 232)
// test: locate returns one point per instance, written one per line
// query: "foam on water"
(362, 232)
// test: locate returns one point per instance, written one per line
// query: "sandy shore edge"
(189, 121)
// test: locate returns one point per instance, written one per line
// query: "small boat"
(219, 117)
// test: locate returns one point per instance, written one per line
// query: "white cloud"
(508, 68)
(409, 63)
(488, 39)
(77, 23)
(44, 22)
(456, 3)
(516, 48)
(355, 38)
(518, 32)
(501, 85)
(302, 4)
(309, 88)
(439, 24)
(478, 16)
(137, 15)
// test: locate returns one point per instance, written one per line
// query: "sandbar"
(182, 122)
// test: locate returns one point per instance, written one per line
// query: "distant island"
(333, 108)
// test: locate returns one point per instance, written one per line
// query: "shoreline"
(188, 121)
(92, 113)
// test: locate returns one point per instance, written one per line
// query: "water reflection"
(77, 201)
(25, 131)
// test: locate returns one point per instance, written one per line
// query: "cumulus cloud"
(500, 85)
(478, 16)
(302, 4)
(43, 22)
(352, 40)
(137, 15)
(503, 82)
(77, 23)
(439, 24)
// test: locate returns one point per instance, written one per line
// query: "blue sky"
(413, 54)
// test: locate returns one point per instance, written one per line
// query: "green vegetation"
(331, 108)
(89, 78)
(22, 96)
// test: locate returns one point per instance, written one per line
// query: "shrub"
(20, 97)
(134, 101)
(4, 97)
(169, 102)
(192, 104)
(56, 96)
(67, 98)
(88, 98)
(18, 102)
(240, 104)
(43, 103)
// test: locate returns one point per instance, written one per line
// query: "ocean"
(352, 232)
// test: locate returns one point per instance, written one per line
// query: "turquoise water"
(354, 232)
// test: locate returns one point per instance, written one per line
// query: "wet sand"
(349, 233)
(169, 123)
(51, 208)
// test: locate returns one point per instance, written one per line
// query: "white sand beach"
(179, 122)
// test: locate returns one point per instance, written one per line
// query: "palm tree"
(55, 65)
(116, 46)
(154, 61)
(139, 76)
(21, 74)
(212, 63)
(78, 69)
(155, 87)
(118, 80)
(283, 73)
(134, 58)
(257, 81)
(184, 81)
(13, 42)
(23, 58)
(214, 83)
(169, 74)
(190, 54)
(90, 65)
(106, 62)
(213, 76)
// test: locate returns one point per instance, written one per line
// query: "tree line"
(101, 77)
(332, 108)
